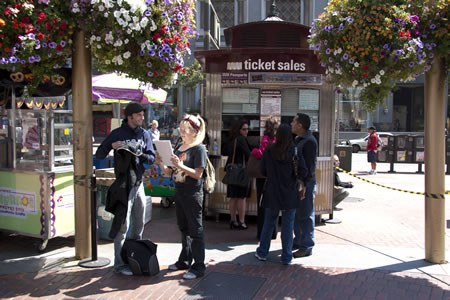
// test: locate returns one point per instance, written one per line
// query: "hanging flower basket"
(35, 40)
(372, 44)
(144, 39)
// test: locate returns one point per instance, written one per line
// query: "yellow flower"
(2, 22)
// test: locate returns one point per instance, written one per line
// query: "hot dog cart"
(36, 181)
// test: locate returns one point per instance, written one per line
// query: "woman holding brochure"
(188, 163)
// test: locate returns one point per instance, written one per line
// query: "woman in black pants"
(268, 138)
(189, 161)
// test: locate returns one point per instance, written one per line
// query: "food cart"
(36, 181)
(267, 69)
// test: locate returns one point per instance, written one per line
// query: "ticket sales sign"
(260, 60)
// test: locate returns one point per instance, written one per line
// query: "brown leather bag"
(253, 167)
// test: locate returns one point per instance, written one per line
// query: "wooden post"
(82, 144)
(435, 112)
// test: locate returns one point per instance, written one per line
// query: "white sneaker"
(259, 257)
(124, 271)
(189, 275)
(371, 172)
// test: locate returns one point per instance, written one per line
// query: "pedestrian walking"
(372, 146)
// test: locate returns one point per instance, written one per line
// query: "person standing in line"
(133, 138)
(238, 194)
(154, 132)
(304, 218)
(372, 146)
(268, 138)
(339, 192)
(189, 162)
(281, 192)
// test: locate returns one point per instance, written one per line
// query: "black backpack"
(140, 255)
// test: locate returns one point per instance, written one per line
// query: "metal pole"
(82, 143)
(435, 80)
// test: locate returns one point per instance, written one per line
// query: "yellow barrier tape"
(436, 196)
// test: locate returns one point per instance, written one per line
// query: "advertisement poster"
(31, 138)
(270, 106)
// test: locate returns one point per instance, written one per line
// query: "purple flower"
(328, 51)
(414, 18)
(150, 74)
(410, 49)
(396, 58)
(31, 59)
(44, 45)
(151, 53)
(350, 20)
(3, 61)
(153, 47)
(317, 46)
(37, 58)
(12, 59)
(147, 13)
(338, 66)
(323, 64)
(330, 59)
(411, 64)
(345, 56)
(148, 2)
(149, 64)
(56, 66)
(433, 26)
(399, 52)
(387, 46)
(341, 26)
(396, 20)
(142, 52)
(351, 60)
(428, 46)
(62, 43)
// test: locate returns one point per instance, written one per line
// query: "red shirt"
(372, 142)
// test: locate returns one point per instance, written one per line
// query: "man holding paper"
(126, 197)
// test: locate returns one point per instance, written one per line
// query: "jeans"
(305, 219)
(135, 216)
(261, 210)
(189, 218)
(287, 226)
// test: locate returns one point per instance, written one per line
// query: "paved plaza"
(375, 252)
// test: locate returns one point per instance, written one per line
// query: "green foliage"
(192, 76)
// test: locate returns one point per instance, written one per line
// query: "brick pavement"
(375, 253)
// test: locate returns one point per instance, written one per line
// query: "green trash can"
(344, 152)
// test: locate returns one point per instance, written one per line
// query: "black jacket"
(307, 145)
(117, 196)
(338, 182)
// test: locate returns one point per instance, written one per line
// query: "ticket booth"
(267, 69)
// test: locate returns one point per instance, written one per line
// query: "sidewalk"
(375, 253)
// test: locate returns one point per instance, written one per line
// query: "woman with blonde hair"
(189, 161)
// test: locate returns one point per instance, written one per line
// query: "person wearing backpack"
(189, 162)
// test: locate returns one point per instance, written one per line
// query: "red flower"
(55, 21)
(364, 75)
(177, 38)
(7, 50)
(59, 48)
(156, 36)
(63, 26)
(163, 30)
(155, 73)
(41, 17)
(366, 68)
(184, 70)
(163, 72)
(48, 26)
(170, 40)
(18, 6)
(25, 19)
(7, 11)
(40, 36)
(188, 43)
(184, 27)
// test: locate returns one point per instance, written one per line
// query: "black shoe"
(295, 247)
(234, 225)
(243, 226)
(301, 253)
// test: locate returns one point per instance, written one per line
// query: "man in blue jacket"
(132, 138)
(304, 216)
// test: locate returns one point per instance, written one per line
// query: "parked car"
(361, 143)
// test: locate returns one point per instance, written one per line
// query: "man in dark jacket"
(132, 148)
(304, 216)
(339, 192)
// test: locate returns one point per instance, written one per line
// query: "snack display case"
(36, 187)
